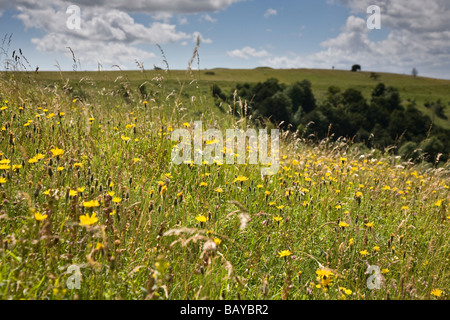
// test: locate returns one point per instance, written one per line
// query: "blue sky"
(234, 33)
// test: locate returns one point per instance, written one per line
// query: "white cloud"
(163, 16)
(418, 36)
(270, 12)
(138, 6)
(182, 20)
(207, 17)
(108, 33)
(92, 52)
(202, 39)
(247, 52)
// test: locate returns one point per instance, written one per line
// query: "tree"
(217, 92)
(410, 150)
(356, 67)
(279, 107)
(432, 147)
(414, 72)
(301, 95)
(262, 91)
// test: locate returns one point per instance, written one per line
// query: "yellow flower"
(2, 180)
(284, 253)
(186, 124)
(325, 277)
(77, 165)
(219, 190)
(369, 224)
(203, 184)
(405, 208)
(40, 217)
(345, 290)
(5, 161)
(91, 204)
(116, 199)
(384, 271)
(359, 194)
(208, 142)
(201, 218)
(99, 246)
(16, 167)
(163, 190)
(124, 138)
(439, 203)
(81, 189)
(60, 168)
(280, 207)
(436, 292)
(72, 193)
(376, 248)
(217, 241)
(364, 253)
(85, 220)
(259, 186)
(350, 242)
(343, 224)
(386, 188)
(277, 218)
(241, 179)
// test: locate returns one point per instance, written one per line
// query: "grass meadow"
(89, 182)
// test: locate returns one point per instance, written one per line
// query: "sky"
(233, 34)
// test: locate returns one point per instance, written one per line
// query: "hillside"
(419, 89)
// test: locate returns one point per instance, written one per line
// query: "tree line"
(380, 122)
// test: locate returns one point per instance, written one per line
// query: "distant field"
(420, 89)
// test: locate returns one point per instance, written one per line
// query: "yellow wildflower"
(40, 217)
(87, 220)
(91, 204)
(284, 253)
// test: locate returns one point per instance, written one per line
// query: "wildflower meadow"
(92, 206)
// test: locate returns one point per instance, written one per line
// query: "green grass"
(149, 244)
(419, 89)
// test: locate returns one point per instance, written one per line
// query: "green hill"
(420, 89)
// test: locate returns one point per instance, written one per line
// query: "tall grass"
(217, 231)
